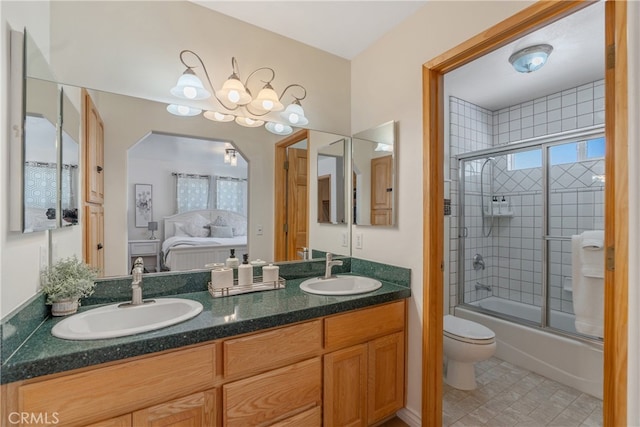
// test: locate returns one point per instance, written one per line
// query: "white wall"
(394, 66)
(17, 250)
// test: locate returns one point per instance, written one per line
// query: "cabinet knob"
(99, 169)
(100, 246)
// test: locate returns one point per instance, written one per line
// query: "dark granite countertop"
(41, 353)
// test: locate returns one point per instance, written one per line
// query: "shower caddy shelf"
(508, 214)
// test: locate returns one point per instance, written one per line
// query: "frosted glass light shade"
(249, 122)
(233, 91)
(189, 86)
(183, 110)
(531, 58)
(278, 128)
(294, 115)
(218, 117)
(267, 100)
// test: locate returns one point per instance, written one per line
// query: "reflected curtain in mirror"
(192, 192)
(231, 194)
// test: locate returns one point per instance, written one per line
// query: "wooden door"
(94, 151)
(324, 198)
(381, 190)
(121, 421)
(94, 236)
(345, 387)
(196, 410)
(386, 377)
(297, 202)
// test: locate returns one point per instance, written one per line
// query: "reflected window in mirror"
(373, 182)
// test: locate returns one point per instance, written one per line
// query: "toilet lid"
(466, 330)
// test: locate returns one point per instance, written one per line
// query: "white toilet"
(465, 343)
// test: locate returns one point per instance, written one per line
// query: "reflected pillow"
(179, 230)
(219, 221)
(196, 226)
(221, 231)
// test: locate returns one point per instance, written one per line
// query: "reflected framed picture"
(144, 204)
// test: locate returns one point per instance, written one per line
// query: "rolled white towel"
(593, 239)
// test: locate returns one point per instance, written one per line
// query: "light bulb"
(267, 104)
(234, 96)
(184, 110)
(293, 118)
(249, 121)
(219, 116)
(190, 92)
(279, 127)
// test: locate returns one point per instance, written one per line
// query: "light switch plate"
(359, 240)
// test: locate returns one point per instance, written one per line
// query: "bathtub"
(545, 353)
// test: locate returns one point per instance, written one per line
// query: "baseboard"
(409, 417)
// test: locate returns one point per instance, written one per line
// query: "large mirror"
(128, 121)
(330, 181)
(374, 175)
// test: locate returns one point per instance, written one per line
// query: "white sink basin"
(340, 285)
(114, 321)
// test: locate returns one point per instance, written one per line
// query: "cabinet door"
(94, 152)
(386, 376)
(345, 387)
(196, 410)
(94, 236)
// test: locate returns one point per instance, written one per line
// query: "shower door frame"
(544, 143)
(616, 344)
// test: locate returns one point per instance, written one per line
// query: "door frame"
(616, 198)
(280, 192)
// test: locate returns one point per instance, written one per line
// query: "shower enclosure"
(518, 206)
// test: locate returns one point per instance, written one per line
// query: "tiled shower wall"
(512, 252)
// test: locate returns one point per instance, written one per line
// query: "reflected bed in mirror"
(373, 160)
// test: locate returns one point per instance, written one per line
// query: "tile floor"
(511, 396)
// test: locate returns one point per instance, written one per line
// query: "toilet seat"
(467, 331)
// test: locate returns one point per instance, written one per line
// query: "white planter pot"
(64, 307)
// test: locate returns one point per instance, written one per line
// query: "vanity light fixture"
(236, 100)
(384, 147)
(531, 58)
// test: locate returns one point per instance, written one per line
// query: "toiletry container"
(232, 261)
(270, 273)
(221, 278)
(245, 272)
(504, 205)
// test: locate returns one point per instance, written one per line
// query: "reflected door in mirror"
(94, 236)
(381, 190)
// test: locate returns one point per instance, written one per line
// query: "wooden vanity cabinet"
(346, 369)
(364, 383)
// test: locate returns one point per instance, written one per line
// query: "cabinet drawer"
(363, 325)
(272, 396)
(309, 418)
(265, 350)
(95, 395)
(143, 248)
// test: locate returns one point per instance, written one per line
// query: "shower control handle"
(478, 262)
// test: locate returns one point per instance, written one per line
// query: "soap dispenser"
(504, 205)
(245, 272)
(232, 261)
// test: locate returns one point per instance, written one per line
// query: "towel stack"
(588, 281)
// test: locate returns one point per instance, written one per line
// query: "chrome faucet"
(482, 287)
(136, 284)
(330, 263)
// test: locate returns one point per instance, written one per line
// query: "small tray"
(257, 286)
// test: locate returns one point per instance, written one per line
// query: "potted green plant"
(65, 282)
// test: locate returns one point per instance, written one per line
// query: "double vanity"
(282, 357)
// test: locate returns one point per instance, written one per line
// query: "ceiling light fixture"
(230, 157)
(236, 99)
(531, 58)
